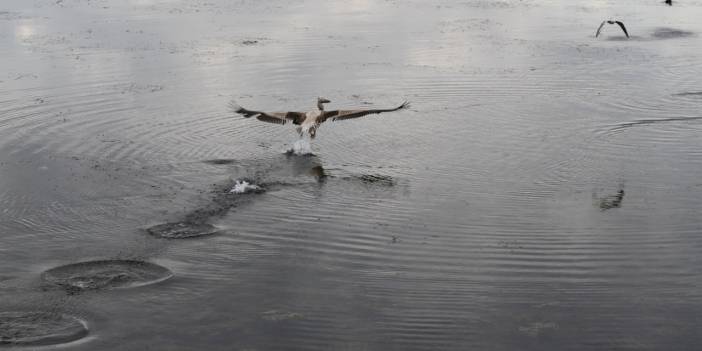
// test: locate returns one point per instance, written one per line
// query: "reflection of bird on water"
(309, 121)
(318, 172)
(621, 25)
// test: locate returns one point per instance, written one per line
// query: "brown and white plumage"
(621, 25)
(310, 121)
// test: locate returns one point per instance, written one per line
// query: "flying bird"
(611, 22)
(308, 122)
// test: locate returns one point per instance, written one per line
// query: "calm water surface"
(542, 193)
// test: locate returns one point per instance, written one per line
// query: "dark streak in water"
(690, 93)
(670, 33)
(643, 122)
(220, 161)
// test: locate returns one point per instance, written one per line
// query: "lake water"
(542, 193)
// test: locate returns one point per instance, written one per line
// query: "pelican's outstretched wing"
(599, 29)
(270, 117)
(338, 115)
(623, 28)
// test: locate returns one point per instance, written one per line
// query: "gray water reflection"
(490, 216)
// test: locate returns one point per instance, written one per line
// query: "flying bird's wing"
(600, 29)
(623, 28)
(339, 115)
(270, 117)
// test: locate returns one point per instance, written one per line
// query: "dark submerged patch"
(670, 33)
(182, 230)
(220, 161)
(39, 328)
(106, 274)
(376, 179)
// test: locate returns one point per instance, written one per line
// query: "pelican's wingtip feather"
(234, 106)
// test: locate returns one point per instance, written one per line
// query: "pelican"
(611, 22)
(308, 122)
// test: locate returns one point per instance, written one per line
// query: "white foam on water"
(301, 147)
(243, 187)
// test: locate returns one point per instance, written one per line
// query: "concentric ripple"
(20, 328)
(106, 274)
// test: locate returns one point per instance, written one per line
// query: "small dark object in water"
(220, 161)
(106, 274)
(377, 179)
(39, 328)
(612, 201)
(182, 230)
(249, 42)
(621, 25)
(319, 173)
(669, 2)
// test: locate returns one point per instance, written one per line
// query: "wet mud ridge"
(30, 328)
(195, 224)
(106, 274)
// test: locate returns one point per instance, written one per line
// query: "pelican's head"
(320, 101)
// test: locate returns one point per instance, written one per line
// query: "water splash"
(241, 187)
(301, 147)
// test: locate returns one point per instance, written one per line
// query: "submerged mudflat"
(542, 193)
(39, 329)
(106, 274)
